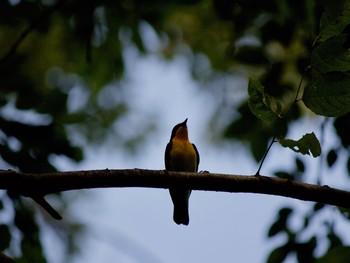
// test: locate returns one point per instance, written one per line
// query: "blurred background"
(100, 84)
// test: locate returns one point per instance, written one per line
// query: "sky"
(135, 224)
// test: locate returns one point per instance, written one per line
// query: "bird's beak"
(185, 122)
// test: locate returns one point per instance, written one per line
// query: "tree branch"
(30, 185)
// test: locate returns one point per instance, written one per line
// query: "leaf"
(328, 95)
(306, 145)
(260, 103)
(281, 222)
(278, 255)
(305, 251)
(332, 55)
(300, 165)
(335, 19)
(336, 255)
(331, 157)
(306, 221)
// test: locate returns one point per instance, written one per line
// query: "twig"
(280, 125)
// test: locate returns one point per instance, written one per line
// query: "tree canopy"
(296, 55)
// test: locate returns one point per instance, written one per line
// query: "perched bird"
(181, 156)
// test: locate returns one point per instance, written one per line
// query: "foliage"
(52, 48)
(261, 104)
(326, 93)
(282, 43)
(306, 145)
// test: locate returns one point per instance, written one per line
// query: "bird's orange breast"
(183, 156)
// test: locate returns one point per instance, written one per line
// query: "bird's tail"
(180, 200)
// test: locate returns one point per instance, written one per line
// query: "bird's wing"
(198, 158)
(167, 155)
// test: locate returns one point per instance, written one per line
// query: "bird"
(181, 156)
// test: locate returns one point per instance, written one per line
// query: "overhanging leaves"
(332, 55)
(329, 94)
(335, 19)
(306, 145)
(260, 103)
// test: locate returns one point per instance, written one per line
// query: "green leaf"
(336, 255)
(279, 254)
(328, 95)
(260, 103)
(332, 55)
(335, 19)
(306, 145)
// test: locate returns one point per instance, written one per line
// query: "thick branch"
(42, 184)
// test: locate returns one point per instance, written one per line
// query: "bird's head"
(180, 131)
